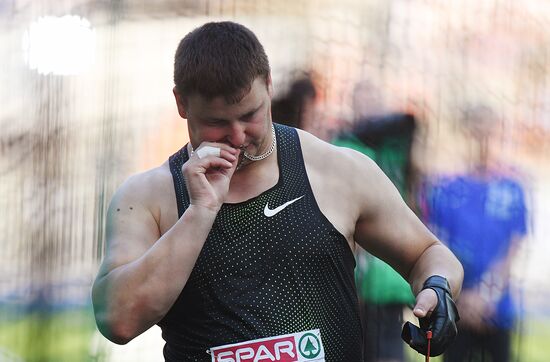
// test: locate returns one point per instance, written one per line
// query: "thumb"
(426, 301)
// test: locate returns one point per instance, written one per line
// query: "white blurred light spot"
(59, 45)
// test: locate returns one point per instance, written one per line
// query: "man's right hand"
(207, 178)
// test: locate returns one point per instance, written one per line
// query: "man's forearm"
(132, 297)
(437, 260)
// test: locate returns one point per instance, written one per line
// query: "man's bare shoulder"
(149, 181)
(355, 177)
(334, 159)
(347, 184)
(150, 188)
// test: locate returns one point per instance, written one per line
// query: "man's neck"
(253, 178)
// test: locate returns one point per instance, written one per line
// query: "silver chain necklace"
(267, 153)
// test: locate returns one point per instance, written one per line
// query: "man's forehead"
(252, 99)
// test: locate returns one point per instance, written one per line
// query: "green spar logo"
(309, 346)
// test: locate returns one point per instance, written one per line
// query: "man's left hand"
(437, 313)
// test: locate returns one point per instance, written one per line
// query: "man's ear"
(269, 84)
(180, 103)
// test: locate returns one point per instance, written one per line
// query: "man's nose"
(236, 134)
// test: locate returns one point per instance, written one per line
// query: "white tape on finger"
(208, 151)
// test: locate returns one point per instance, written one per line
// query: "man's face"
(246, 123)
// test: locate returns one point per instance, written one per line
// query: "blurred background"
(86, 100)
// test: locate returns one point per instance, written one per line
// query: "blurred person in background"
(383, 293)
(248, 231)
(482, 215)
(296, 108)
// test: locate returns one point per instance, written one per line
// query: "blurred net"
(68, 140)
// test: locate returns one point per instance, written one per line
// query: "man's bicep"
(389, 229)
(131, 231)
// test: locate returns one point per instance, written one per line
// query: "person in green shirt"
(381, 290)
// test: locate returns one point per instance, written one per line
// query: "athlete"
(248, 231)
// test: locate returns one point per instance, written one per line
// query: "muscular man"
(247, 232)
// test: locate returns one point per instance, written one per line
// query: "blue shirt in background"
(478, 218)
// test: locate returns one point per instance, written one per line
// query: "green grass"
(60, 336)
(67, 337)
(531, 345)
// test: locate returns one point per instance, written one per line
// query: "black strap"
(176, 161)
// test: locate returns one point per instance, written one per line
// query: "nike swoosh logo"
(271, 212)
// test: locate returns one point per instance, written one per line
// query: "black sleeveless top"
(259, 276)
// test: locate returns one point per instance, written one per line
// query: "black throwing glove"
(442, 321)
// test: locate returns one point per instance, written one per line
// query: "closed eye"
(215, 122)
(247, 117)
